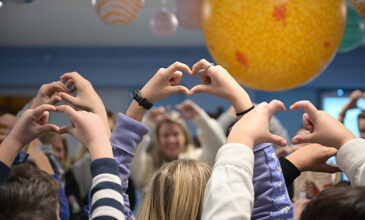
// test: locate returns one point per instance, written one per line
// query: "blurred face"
(172, 140)
(361, 124)
(58, 149)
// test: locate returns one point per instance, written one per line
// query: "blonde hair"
(49, 137)
(176, 191)
(157, 156)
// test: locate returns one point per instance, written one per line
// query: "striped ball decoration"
(118, 12)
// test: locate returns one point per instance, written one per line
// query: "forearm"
(230, 183)
(135, 111)
(351, 160)
(211, 136)
(106, 191)
(9, 149)
(125, 138)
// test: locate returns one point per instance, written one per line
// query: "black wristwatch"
(136, 95)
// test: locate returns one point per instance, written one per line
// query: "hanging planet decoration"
(118, 12)
(188, 13)
(354, 31)
(273, 45)
(360, 7)
(163, 23)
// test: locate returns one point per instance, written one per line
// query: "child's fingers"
(202, 64)
(48, 128)
(179, 66)
(66, 129)
(67, 110)
(274, 106)
(69, 98)
(277, 140)
(330, 168)
(38, 112)
(304, 138)
(200, 89)
(306, 105)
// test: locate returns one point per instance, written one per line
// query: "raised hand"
(166, 82)
(163, 84)
(189, 109)
(217, 81)
(33, 123)
(29, 126)
(354, 97)
(313, 157)
(253, 128)
(48, 94)
(323, 128)
(86, 97)
(88, 128)
(157, 114)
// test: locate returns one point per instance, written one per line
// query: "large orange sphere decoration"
(273, 45)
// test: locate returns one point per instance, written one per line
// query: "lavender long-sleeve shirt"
(126, 136)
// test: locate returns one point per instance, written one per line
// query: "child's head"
(29, 193)
(176, 191)
(59, 146)
(338, 202)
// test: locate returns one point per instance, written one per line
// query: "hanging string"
(163, 2)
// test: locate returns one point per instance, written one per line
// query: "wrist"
(147, 95)
(241, 103)
(241, 139)
(13, 141)
(346, 139)
(292, 159)
(100, 149)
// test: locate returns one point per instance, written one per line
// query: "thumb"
(68, 98)
(178, 89)
(200, 89)
(67, 129)
(48, 128)
(303, 138)
(277, 140)
(54, 100)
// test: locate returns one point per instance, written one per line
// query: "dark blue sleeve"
(62, 199)
(4, 172)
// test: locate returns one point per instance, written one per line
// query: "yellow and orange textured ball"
(273, 45)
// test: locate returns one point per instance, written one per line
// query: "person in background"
(352, 104)
(170, 140)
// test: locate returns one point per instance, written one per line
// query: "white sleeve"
(351, 160)
(211, 136)
(226, 119)
(229, 193)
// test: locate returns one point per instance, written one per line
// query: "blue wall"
(132, 67)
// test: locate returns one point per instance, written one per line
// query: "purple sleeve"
(126, 136)
(271, 197)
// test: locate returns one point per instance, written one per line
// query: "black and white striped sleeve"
(106, 191)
